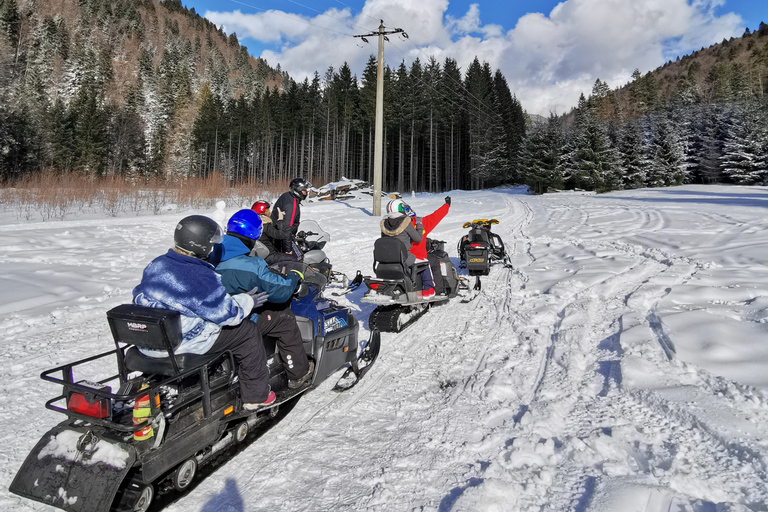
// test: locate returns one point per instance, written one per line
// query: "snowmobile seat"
(135, 361)
(389, 260)
(152, 329)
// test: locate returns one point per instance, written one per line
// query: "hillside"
(83, 76)
(700, 119)
(734, 69)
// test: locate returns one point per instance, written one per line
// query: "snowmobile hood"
(394, 226)
(73, 469)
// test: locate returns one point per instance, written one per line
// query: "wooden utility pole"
(379, 133)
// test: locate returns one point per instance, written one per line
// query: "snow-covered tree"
(745, 145)
(633, 154)
(666, 153)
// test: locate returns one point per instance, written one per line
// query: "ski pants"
(280, 323)
(427, 280)
(437, 274)
(247, 347)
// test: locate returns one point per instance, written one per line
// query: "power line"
(295, 18)
(361, 11)
(456, 102)
(326, 14)
(457, 83)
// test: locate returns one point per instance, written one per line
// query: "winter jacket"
(428, 223)
(271, 236)
(401, 228)
(240, 273)
(291, 207)
(191, 287)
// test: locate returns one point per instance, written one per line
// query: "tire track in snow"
(578, 485)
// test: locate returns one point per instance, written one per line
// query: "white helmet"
(397, 206)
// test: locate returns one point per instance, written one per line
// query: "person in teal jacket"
(239, 272)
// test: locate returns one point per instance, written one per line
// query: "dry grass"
(50, 195)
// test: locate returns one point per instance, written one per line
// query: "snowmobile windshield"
(312, 235)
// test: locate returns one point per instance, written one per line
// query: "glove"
(259, 298)
(448, 200)
(301, 276)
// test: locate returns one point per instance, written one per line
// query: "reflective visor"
(218, 236)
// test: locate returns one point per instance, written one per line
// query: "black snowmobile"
(480, 247)
(396, 289)
(149, 428)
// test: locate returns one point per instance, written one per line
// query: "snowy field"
(621, 365)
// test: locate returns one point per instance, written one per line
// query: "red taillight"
(98, 409)
(476, 245)
(374, 286)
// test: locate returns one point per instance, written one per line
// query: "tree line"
(696, 126)
(146, 90)
(442, 129)
(142, 89)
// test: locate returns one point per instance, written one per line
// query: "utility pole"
(379, 132)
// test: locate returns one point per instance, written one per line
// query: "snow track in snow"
(551, 391)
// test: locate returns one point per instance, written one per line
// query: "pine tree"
(633, 155)
(745, 146)
(513, 124)
(539, 156)
(667, 164)
(594, 160)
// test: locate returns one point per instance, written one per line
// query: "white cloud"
(549, 60)
(470, 22)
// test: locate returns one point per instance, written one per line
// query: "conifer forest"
(146, 89)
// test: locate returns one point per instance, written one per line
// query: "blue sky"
(549, 51)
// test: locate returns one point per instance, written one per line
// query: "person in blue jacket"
(211, 320)
(240, 272)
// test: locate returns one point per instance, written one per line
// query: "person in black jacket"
(271, 236)
(287, 213)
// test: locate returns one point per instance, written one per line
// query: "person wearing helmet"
(288, 205)
(212, 322)
(398, 223)
(239, 271)
(425, 225)
(273, 237)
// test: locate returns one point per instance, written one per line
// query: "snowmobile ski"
(473, 293)
(360, 367)
(352, 286)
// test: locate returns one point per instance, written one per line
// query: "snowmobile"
(308, 247)
(150, 427)
(397, 291)
(479, 248)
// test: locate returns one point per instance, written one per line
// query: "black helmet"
(299, 188)
(197, 234)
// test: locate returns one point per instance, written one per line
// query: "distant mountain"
(112, 86)
(145, 89)
(734, 69)
(700, 119)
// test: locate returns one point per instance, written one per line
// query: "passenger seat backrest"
(478, 235)
(389, 257)
(149, 328)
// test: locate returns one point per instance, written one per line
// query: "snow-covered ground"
(621, 365)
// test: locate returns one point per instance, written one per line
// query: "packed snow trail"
(590, 376)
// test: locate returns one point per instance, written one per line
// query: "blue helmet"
(245, 223)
